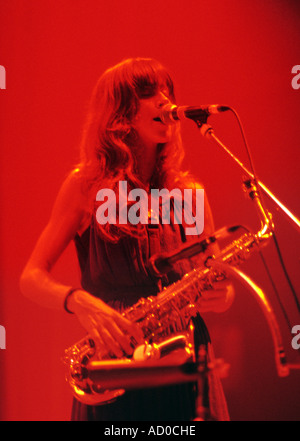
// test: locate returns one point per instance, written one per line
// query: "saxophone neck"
(267, 225)
(266, 232)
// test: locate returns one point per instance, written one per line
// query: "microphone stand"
(283, 368)
(207, 131)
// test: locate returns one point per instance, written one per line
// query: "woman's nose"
(162, 99)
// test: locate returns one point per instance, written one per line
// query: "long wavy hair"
(108, 139)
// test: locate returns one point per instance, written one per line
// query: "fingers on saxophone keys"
(112, 345)
(98, 341)
(104, 342)
(132, 329)
(133, 342)
(121, 342)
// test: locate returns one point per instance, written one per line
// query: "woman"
(123, 141)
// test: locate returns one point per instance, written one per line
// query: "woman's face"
(150, 129)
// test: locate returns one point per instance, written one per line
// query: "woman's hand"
(113, 333)
(218, 299)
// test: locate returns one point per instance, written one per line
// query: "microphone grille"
(169, 114)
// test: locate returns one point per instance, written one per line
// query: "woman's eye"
(147, 92)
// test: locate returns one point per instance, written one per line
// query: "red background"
(238, 53)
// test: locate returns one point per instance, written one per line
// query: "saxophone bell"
(76, 360)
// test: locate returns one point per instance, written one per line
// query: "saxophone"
(181, 301)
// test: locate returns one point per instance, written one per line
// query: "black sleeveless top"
(118, 274)
(120, 271)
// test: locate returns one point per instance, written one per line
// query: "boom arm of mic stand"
(280, 359)
(207, 131)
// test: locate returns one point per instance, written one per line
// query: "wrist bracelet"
(69, 293)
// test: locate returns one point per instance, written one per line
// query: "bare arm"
(68, 216)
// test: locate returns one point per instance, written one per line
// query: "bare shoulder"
(193, 184)
(72, 189)
(198, 185)
(72, 199)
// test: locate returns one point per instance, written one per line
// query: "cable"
(248, 151)
(273, 236)
(275, 290)
(285, 272)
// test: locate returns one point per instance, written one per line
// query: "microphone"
(172, 113)
(160, 264)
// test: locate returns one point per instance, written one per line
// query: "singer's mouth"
(158, 120)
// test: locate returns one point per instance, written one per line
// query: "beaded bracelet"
(69, 293)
